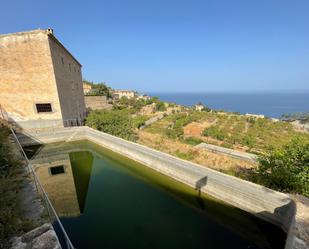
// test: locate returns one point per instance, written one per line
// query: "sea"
(270, 104)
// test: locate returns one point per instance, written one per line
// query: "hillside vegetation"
(229, 130)
(283, 152)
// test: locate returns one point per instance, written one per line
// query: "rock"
(27, 237)
(17, 243)
(43, 237)
(47, 240)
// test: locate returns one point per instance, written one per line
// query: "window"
(56, 170)
(43, 107)
(62, 60)
(70, 67)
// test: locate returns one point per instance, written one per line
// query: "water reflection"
(127, 205)
(65, 175)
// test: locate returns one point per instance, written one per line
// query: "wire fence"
(48, 205)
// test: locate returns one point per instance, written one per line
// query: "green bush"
(115, 122)
(286, 168)
(139, 121)
(214, 132)
(98, 89)
(227, 145)
(174, 133)
(206, 109)
(190, 155)
(193, 140)
(160, 106)
(134, 103)
(249, 141)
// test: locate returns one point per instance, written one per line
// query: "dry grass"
(189, 152)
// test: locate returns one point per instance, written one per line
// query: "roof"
(48, 32)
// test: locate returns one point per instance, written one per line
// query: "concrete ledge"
(270, 205)
(229, 152)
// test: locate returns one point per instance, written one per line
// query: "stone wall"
(27, 77)
(68, 77)
(35, 68)
(97, 103)
(228, 152)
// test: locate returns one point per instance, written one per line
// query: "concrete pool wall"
(270, 205)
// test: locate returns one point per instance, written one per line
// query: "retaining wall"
(270, 205)
(229, 152)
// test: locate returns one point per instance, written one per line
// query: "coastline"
(270, 104)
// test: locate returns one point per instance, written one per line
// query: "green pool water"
(108, 201)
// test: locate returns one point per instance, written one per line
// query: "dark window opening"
(56, 170)
(62, 60)
(70, 67)
(44, 107)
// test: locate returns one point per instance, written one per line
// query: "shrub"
(286, 168)
(249, 141)
(139, 121)
(214, 132)
(174, 133)
(227, 145)
(193, 140)
(99, 89)
(160, 106)
(115, 122)
(190, 155)
(206, 109)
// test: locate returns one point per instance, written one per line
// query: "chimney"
(50, 31)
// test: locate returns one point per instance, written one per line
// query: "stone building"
(40, 81)
(118, 94)
(87, 88)
(199, 107)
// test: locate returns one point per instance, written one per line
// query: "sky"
(178, 45)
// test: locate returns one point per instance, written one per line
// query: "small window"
(43, 107)
(62, 60)
(70, 66)
(56, 170)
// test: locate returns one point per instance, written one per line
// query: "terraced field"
(229, 130)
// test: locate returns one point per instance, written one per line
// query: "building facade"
(87, 88)
(118, 94)
(40, 81)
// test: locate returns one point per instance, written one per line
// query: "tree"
(98, 89)
(286, 168)
(114, 122)
(160, 106)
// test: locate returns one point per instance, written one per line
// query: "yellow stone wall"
(26, 76)
(60, 188)
(31, 71)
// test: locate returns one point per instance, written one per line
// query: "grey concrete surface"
(229, 152)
